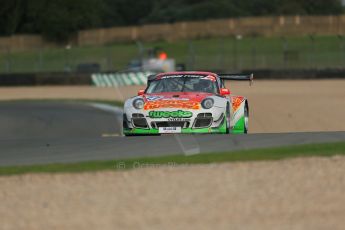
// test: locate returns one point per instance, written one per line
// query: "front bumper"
(141, 131)
(139, 124)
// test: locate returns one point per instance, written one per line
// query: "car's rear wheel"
(228, 118)
(246, 118)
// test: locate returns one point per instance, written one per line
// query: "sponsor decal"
(175, 76)
(154, 98)
(179, 119)
(236, 103)
(170, 114)
(159, 97)
(171, 104)
(176, 99)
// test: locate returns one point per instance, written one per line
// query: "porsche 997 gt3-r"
(186, 102)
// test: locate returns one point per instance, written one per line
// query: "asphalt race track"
(56, 132)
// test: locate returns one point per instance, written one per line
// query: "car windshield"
(184, 83)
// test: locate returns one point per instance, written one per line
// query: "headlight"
(138, 103)
(207, 103)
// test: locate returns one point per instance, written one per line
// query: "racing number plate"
(169, 129)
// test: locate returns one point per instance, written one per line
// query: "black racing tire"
(246, 118)
(227, 119)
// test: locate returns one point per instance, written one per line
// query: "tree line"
(58, 20)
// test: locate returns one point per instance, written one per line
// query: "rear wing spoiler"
(237, 77)
(223, 77)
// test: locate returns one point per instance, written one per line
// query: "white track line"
(110, 109)
(107, 108)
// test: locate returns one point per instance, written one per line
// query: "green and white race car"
(186, 102)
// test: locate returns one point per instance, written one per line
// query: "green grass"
(211, 53)
(320, 150)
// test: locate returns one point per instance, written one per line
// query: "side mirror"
(141, 92)
(224, 92)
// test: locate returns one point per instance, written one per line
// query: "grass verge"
(320, 150)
